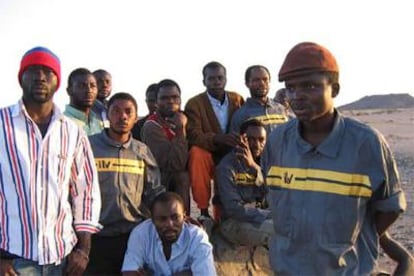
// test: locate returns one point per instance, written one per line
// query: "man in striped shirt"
(49, 194)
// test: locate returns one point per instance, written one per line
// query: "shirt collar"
(269, 102)
(108, 140)
(80, 115)
(330, 146)
(216, 102)
(20, 109)
(182, 239)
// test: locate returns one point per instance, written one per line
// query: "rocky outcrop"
(239, 260)
(381, 101)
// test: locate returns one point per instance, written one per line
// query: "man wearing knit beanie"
(40, 56)
(49, 195)
(333, 183)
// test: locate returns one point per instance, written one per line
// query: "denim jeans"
(31, 268)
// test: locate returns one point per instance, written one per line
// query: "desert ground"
(397, 126)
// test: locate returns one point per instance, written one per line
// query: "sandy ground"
(397, 126)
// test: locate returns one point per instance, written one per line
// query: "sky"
(141, 42)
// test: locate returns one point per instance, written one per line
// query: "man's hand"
(229, 139)
(178, 122)
(243, 152)
(6, 268)
(79, 257)
(77, 262)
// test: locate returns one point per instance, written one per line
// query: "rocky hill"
(388, 101)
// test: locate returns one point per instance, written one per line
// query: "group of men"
(316, 187)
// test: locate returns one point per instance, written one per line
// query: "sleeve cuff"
(87, 226)
(395, 203)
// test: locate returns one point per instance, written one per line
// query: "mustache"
(39, 85)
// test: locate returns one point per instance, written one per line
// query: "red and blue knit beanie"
(40, 56)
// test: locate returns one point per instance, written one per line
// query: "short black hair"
(166, 83)
(251, 68)
(123, 96)
(250, 122)
(213, 65)
(151, 88)
(280, 93)
(100, 72)
(78, 72)
(165, 197)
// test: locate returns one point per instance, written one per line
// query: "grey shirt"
(270, 114)
(240, 190)
(129, 179)
(324, 198)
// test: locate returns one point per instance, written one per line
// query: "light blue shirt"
(192, 251)
(90, 124)
(221, 110)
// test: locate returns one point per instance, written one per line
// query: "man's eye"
(48, 71)
(313, 86)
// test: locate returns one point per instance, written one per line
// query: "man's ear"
(69, 90)
(335, 89)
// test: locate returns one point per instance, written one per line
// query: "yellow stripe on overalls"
(245, 179)
(271, 119)
(120, 165)
(320, 181)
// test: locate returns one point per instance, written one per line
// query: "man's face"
(258, 83)
(281, 97)
(122, 116)
(215, 81)
(256, 137)
(168, 218)
(83, 91)
(311, 96)
(39, 83)
(151, 101)
(168, 100)
(104, 81)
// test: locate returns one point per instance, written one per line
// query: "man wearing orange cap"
(49, 193)
(334, 187)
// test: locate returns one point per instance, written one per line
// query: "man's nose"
(124, 115)
(169, 222)
(91, 88)
(39, 74)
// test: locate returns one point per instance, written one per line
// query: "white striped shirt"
(48, 186)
